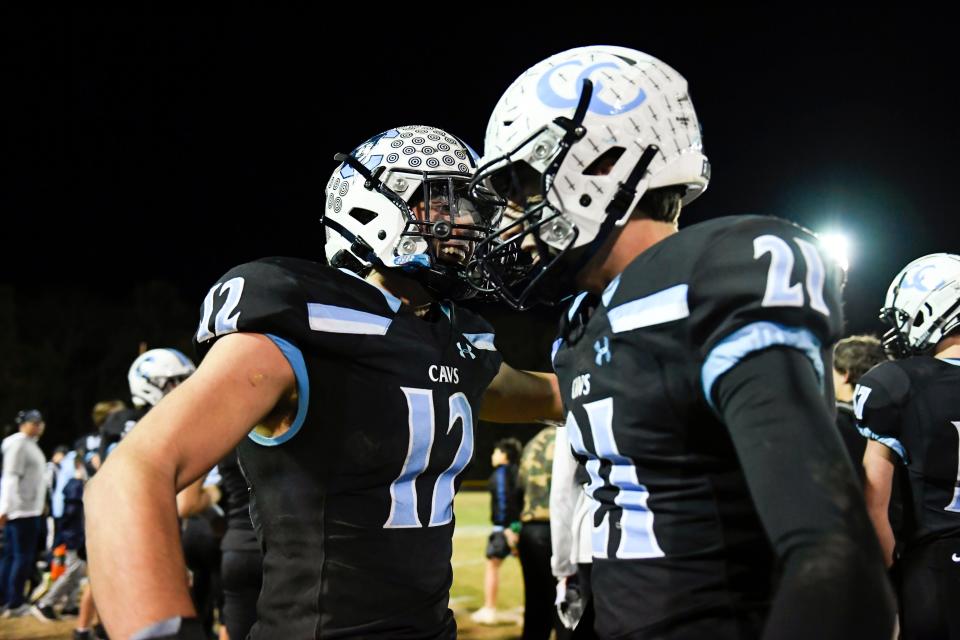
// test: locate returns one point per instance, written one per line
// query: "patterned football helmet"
(398, 201)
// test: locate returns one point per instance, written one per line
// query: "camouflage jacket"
(535, 466)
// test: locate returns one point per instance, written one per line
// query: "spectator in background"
(506, 500)
(536, 464)
(88, 447)
(63, 472)
(54, 466)
(69, 533)
(22, 495)
(89, 444)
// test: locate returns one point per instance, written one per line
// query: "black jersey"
(853, 440)
(235, 502)
(912, 407)
(353, 505)
(676, 535)
(117, 425)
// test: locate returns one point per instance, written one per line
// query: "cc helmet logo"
(551, 98)
(915, 280)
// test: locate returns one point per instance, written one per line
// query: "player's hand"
(569, 602)
(512, 538)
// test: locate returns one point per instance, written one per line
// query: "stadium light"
(837, 246)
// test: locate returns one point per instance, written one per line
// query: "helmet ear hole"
(363, 216)
(605, 162)
(918, 319)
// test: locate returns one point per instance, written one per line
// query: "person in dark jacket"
(506, 501)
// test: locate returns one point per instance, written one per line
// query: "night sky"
(144, 154)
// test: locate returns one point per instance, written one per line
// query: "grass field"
(473, 526)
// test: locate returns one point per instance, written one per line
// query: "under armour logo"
(602, 347)
(466, 351)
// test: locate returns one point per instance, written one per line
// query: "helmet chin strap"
(617, 208)
(357, 244)
(619, 205)
(434, 277)
(372, 180)
(940, 323)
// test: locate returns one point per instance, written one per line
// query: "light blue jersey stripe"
(554, 349)
(482, 341)
(575, 305)
(891, 443)
(750, 339)
(295, 358)
(609, 291)
(657, 308)
(333, 319)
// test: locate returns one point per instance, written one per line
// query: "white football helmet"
(922, 305)
(155, 373)
(576, 141)
(399, 201)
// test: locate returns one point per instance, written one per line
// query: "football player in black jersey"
(695, 365)
(151, 376)
(910, 410)
(362, 382)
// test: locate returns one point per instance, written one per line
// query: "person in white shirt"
(22, 493)
(571, 526)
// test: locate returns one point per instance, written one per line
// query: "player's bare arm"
(878, 465)
(522, 396)
(239, 382)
